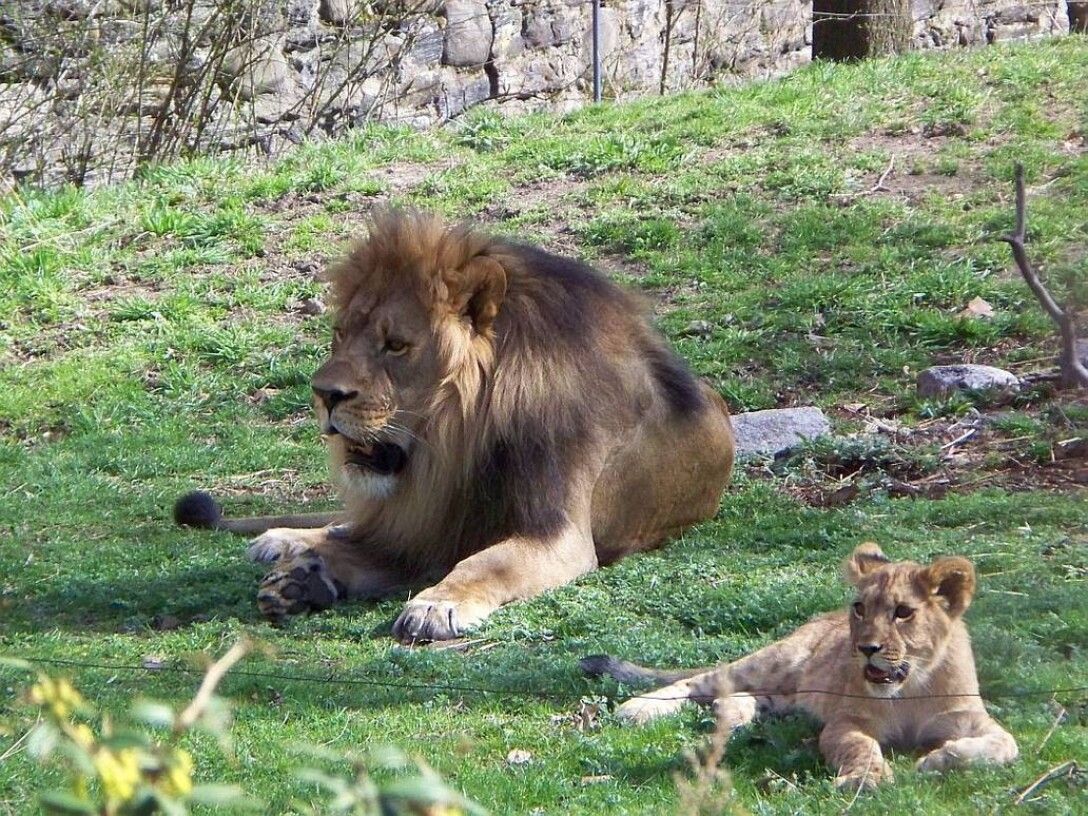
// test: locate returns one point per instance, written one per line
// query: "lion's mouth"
(878, 676)
(385, 458)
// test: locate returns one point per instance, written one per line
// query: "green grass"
(150, 341)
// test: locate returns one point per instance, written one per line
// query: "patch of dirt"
(932, 458)
(909, 176)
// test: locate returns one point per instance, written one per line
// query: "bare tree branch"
(1073, 371)
(204, 694)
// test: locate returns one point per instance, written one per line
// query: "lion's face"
(902, 614)
(374, 392)
(415, 302)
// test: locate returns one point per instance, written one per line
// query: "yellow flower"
(178, 780)
(59, 696)
(83, 736)
(119, 773)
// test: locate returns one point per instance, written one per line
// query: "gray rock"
(427, 45)
(256, 68)
(312, 307)
(300, 12)
(698, 328)
(942, 381)
(460, 93)
(336, 12)
(776, 431)
(468, 33)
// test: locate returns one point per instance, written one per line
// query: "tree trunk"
(1078, 17)
(855, 29)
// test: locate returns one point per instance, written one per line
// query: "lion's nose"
(333, 396)
(869, 649)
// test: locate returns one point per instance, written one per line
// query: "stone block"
(468, 34)
(776, 431)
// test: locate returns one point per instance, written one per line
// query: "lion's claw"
(422, 621)
(301, 584)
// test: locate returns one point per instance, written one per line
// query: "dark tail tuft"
(598, 665)
(632, 674)
(198, 509)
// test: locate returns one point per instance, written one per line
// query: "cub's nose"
(333, 396)
(869, 649)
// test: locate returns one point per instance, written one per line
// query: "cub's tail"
(631, 673)
(199, 509)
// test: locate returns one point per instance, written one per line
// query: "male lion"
(499, 419)
(894, 670)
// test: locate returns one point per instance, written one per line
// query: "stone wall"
(93, 86)
(950, 23)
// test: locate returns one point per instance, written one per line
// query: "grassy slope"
(150, 341)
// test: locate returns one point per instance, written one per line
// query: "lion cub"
(893, 670)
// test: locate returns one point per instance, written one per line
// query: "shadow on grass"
(160, 603)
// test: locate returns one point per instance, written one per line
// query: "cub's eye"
(337, 335)
(394, 346)
(859, 609)
(904, 612)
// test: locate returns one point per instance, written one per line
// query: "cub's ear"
(476, 290)
(867, 558)
(951, 580)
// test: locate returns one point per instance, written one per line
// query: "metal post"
(596, 4)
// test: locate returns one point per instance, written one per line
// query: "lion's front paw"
(278, 544)
(938, 760)
(424, 620)
(640, 710)
(300, 584)
(865, 780)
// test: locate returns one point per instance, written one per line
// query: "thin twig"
(876, 188)
(1067, 768)
(962, 438)
(212, 679)
(1053, 728)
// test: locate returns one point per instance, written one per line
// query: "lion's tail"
(198, 509)
(631, 673)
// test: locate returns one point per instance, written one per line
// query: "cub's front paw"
(424, 620)
(279, 543)
(298, 584)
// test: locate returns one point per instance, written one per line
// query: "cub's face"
(374, 392)
(902, 615)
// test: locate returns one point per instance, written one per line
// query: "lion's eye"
(394, 346)
(859, 609)
(903, 612)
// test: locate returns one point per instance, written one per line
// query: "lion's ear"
(476, 290)
(863, 560)
(952, 580)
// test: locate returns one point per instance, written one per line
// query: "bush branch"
(1073, 371)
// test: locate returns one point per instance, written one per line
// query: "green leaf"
(167, 804)
(157, 715)
(331, 783)
(65, 802)
(42, 740)
(220, 795)
(386, 756)
(126, 739)
(15, 663)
